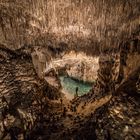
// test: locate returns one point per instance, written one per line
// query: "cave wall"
(129, 57)
(133, 62)
(115, 68)
(118, 118)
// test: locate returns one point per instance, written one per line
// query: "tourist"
(76, 94)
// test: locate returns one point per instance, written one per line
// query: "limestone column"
(105, 83)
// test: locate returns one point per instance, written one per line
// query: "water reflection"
(69, 85)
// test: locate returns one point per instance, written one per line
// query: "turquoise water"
(69, 85)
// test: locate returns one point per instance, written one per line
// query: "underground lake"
(69, 86)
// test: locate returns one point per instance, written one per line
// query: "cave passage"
(69, 85)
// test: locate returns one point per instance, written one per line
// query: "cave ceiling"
(108, 22)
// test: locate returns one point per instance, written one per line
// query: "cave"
(69, 70)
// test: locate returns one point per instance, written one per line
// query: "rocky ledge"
(80, 66)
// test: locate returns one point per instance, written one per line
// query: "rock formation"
(77, 66)
(21, 88)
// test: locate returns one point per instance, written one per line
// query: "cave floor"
(61, 122)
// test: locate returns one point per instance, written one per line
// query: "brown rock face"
(119, 119)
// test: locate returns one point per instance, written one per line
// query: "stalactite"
(82, 19)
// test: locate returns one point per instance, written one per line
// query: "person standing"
(76, 92)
